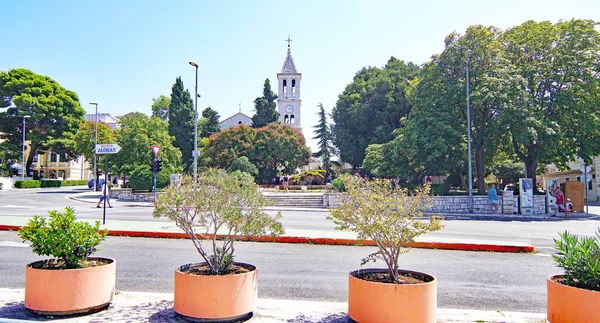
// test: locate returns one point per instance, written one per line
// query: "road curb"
(464, 246)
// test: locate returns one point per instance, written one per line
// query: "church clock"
(289, 109)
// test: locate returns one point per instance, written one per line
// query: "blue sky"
(121, 54)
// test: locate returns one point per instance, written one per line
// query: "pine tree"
(323, 135)
(209, 123)
(181, 122)
(266, 108)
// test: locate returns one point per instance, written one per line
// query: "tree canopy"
(160, 107)
(265, 107)
(136, 135)
(84, 139)
(324, 139)
(370, 108)
(209, 123)
(181, 122)
(55, 112)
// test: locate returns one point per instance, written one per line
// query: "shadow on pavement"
(333, 318)
(514, 218)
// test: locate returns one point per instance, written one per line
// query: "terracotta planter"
(372, 302)
(568, 304)
(69, 291)
(216, 298)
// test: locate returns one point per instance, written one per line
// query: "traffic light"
(156, 166)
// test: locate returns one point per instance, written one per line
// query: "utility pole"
(469, 140)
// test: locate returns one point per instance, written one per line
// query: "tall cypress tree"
(323, 135)
(266, 108)
(209, 123)
(181, 122)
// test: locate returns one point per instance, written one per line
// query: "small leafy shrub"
(74, 182)
(51, 183)
(28, 184)
(580, 259)
(313, 177)
(243, 164)
(62, 237)
(338, 183)
(214, 200)
(386, 214)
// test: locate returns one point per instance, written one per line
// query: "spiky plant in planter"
(62, 237)
(389, 216)
(225, 206)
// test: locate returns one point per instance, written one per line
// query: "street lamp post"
(23, 150)
(95, 144)
(469, 140)
(195, 151)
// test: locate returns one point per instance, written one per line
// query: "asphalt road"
(467, 280)
(539, 232)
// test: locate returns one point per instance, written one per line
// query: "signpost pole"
(105, 189)
(154, 182)
(586, 187)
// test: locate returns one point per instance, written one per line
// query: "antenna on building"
(289, 40)
(240, 105)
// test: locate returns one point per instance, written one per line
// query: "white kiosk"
(526, 195)
(551, 185)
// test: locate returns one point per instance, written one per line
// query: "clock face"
(289, 109)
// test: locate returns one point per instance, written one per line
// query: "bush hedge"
(48, 183)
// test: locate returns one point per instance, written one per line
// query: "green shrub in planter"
(580, 258)
(27, 184)
(51, 183)
(62, 237)
(74, 182)
(141, 178)
(338, 183)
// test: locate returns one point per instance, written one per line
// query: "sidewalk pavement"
(158, 308)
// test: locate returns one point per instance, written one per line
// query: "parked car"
(91, 184)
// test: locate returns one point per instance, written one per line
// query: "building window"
(63, 158)
(590, 186)
(292, 119)
(53, 157)
(579, 178)
(566, 179)
(286, 119)
(293, 89)
(239, 122)
(284, 89)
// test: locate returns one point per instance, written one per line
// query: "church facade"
(289, 102)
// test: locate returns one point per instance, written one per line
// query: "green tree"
(55, 112)
(370, 108)
(209, 123)
(84, 140)
(136, 135)
(243, 164)
(160, 107)
(228, 145)
(559, 118)
(181, 122)
(323, 135)
(265, 107)
(276, 147)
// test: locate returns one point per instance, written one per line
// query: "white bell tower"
(289, 103)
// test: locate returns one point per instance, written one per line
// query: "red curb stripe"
(318, 241)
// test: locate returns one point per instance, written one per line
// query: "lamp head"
(93, 103)
(193, 64)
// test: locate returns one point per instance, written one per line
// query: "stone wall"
(128, 195)
(508, 204)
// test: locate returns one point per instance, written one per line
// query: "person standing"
(560, 200)
(104, 194)
(493, 196)
(285, 183)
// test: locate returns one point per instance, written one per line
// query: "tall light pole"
(469, 140)
(95, 144)
(23, 150)
(195, 151)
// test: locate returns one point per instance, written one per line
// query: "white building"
(109, 120)
(236, 120)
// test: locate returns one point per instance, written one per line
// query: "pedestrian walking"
(493, 197)
(285, 183)
(560, 200)
(104, 194)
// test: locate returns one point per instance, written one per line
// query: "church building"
(289, 103)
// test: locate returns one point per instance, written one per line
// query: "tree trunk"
(463, 182)
(480, 169)
(532, 165)
(32, 152)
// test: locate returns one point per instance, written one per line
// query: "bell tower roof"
(288, 65)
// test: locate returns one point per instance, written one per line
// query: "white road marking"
(13, 244)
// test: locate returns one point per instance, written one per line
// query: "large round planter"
(372, 302)
(568, 304)
(69, 291)
(216, 298)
